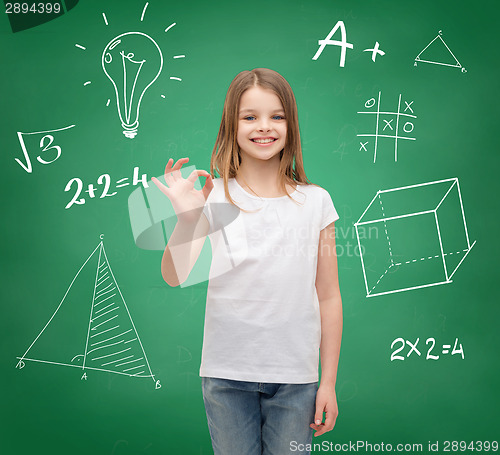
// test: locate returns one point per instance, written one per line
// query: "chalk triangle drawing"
(92, 328)
(427, 54)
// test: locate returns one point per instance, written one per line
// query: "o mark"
(410, 127)
(370, 103)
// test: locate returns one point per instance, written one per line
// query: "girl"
(273, 299)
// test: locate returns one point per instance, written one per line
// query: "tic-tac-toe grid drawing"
(388, 125)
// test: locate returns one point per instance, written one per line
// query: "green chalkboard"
(399, 122)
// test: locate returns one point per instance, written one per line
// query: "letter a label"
(328, 40)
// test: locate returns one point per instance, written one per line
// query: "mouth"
(264, 140)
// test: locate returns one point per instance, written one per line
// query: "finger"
(318, 415)
(320, 432)
(164, 189)
(177, 174)
(168, 167)
(197, 173)
(208, 187)
(319, 429)
(171, 172)
(180, 162)
(168, 172)
(330, 421)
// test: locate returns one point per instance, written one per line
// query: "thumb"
(318, 416)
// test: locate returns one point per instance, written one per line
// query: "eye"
(249, 117)
(278, 117)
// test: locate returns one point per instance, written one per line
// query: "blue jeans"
(258, 418)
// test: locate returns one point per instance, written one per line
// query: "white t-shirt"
(262, 320)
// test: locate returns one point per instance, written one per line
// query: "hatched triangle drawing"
(91, 328)
(438, 53)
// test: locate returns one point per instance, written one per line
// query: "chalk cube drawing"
(412, 237)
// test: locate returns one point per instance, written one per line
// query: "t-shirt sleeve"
(329, 214)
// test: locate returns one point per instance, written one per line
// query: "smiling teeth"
(263, 141)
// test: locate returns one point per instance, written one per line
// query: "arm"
(330, 304)
(190, 232)
(181, 252)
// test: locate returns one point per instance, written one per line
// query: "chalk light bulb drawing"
(132, 61)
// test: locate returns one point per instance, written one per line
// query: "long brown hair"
(226, 153)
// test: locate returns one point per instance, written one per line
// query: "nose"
(264, 125)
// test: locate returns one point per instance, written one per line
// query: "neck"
(259, 174)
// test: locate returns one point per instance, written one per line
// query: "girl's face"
(261, 124)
